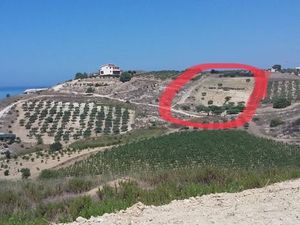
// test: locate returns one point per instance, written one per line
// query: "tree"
(202, 108)
(49, 120)
(217, 110)
(185, 107)
(275, 122)
(126, 76)
(25, 173)
(6, 172)
(81, 76)
(210, 102)
(227, 98)
(90, 90)
(39, 140)
(55, 147)
(214, 71)
(276, 67)
(281, 102)
(8, 154)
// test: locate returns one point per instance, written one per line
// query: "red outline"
(259, 92)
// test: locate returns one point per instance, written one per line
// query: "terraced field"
(54, 121)
(219, 91)
(283, 88)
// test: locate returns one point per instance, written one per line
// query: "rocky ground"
(275, 204)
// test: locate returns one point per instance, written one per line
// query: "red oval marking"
(258, 93)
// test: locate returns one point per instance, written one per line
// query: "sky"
(43, 42)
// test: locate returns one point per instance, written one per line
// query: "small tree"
(8, 154)
(227, 98)
(185, 107)
(55, 147)
(202, 108)
(6, 172)
(126, 76)
(210, 102)
(90, 90)
(281, 102)
(216, 110)
(25, 173)
(276, 122)
(81, 76)
(276, 67)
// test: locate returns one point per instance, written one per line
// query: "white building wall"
(109, 69)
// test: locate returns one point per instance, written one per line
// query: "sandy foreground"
(275, 204)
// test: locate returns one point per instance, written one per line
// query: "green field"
(107, 140)
(230, 149)
(161, 169)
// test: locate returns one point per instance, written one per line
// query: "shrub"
(202, 108)
(281, 102)
(55, 147)
(90, 90)
(217, 110)
(25, 173)
(78, 185)
(185, 107)
(227, 98)
(126, 76)
(276, 122)
(6, 172)
(47, 174)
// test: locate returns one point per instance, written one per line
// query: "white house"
(109, 69)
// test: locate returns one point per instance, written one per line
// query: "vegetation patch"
(174, 166)
(107, 140)
(230, 149)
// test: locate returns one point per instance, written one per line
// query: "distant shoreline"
(13, 91)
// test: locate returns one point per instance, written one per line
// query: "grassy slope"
(115, 139)
(230, 149)
(174, 166)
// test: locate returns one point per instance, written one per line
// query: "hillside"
(274, 204)
(97, 145)
(153, 171)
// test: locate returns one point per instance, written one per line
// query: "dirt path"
(275, 204)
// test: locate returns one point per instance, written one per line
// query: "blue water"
(12, 91)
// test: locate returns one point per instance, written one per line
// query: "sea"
(12, 91)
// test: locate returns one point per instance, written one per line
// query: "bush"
(202, 108)
(126, 76)
(47, 174)
(6, 172)
(185, 107)
(77, 185)
(281, 102)
(25, 173)
(90, 90)
(276, 122)
(81, 76)
(55, 147)
(217, 110)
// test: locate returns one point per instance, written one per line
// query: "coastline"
(13, 91)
